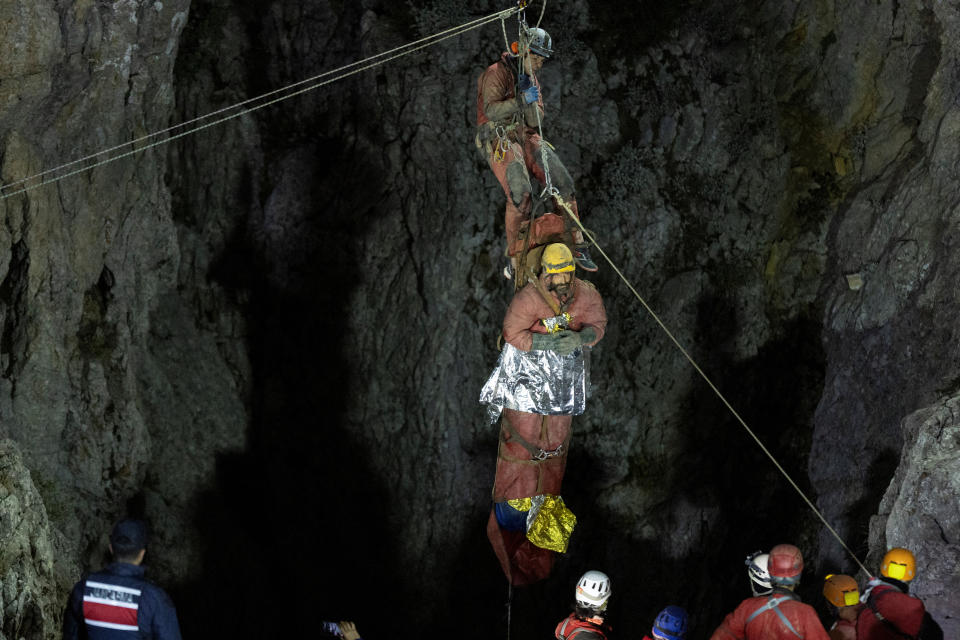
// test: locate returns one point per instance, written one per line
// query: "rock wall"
(918, 509)
(890, 290)
(114, 394)
(268, 337)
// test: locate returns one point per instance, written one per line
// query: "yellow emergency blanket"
(549, 522)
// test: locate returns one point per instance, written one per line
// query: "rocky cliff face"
(268, 337)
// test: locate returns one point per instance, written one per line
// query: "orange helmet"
(841, 590)
(785, 564)
(899, 564)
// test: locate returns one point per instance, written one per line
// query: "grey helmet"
(539, 42)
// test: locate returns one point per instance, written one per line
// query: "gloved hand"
(524, 82)
(566, 343)
(587, 334)
(543, 341)
(562, 342)
(531, 94)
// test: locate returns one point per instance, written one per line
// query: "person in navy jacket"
(117, 603)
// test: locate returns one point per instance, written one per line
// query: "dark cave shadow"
(776, 392)
(875, 485)
(293, 530)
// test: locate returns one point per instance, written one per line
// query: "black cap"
(128, 536)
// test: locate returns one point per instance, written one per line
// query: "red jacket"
(768, 625)
(843, 630)
(899, 609)
(528, 308)
(574, 628)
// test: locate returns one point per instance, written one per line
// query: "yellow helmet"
(841, 590)
(557, 258)
(899, 564)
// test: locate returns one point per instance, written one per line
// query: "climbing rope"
(524, 56)
(543, 10)
(509, 606)
(593, 241)
(338, 74)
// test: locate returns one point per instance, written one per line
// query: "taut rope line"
(709, 382)
(361, 65)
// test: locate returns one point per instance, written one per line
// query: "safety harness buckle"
(503, 144)
(546, 455)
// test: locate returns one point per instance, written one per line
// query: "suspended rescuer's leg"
(512, 175)
(561, 180)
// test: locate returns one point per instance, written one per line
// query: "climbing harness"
(773, 602)
(503, 144)
(537, 454)
(90, 162)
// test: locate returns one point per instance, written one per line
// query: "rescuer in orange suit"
(890, 612)
(508, 104)
(779, 615)
(843, 593)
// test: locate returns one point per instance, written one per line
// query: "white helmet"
(593, 591)
(759, 575)
(539, 42)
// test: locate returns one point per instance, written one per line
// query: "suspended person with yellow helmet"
(540, 382)
(542, 367)
(777, 616)
(890, 612)
(509, 113)
(843, 593)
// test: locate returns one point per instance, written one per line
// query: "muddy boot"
(582, 258)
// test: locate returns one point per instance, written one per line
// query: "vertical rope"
(543, 10)
(509, 607)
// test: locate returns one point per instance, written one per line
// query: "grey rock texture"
(918, 510)
(268, 337)
(112, 387)
(31, 584)
(891, 342)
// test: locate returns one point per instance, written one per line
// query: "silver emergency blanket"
(542, 382)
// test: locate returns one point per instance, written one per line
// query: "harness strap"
(773, 603)
(872, 605)
(537, 454)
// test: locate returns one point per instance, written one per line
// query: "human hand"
(531, 94)
(349, 630)
(524, 82)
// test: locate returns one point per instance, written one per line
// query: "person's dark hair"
(128, 539)
(585, 612)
